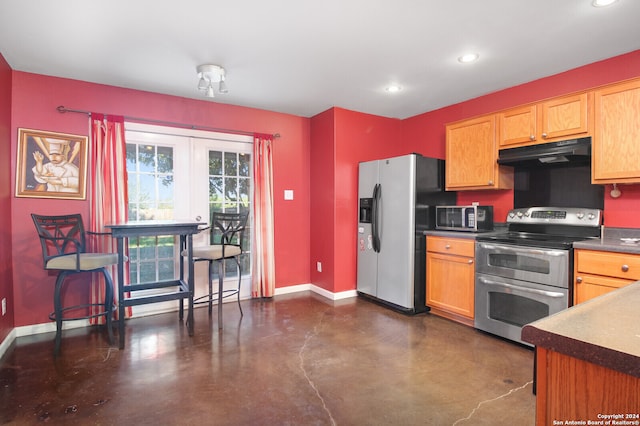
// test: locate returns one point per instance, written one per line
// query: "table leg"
(121, 292)
(191, 283)
(183, 246)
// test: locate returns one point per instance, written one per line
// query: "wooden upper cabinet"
(555, 119)
(616, 139)
(564, 117)
(517, 126)
(471, 156)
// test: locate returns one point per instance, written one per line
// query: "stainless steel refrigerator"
(397, 198)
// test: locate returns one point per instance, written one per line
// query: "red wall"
(35, 98)
(431, 127)
(6, 279)
(340, 139)
(322, 211)
(359, 137)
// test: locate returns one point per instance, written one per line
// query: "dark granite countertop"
(604, 331)
(621, 240)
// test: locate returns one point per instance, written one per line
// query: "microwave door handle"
(524, 289)
(375, 214)
(549, 252)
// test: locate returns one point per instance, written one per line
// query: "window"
(230, 191)
(185, 174)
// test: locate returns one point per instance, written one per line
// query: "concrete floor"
(294, 360)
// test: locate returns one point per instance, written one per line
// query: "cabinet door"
(589, 286)
(471, 154)
(616, 140)
(564, 117)
(517, 126)
(450, 283)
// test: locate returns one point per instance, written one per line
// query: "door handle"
(523, 289)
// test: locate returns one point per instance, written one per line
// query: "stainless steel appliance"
(397, 199)
(526, 273)
(464, 218)
(573, 151)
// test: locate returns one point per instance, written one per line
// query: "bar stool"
(226, 242)
(63, 242)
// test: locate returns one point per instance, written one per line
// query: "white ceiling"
(302, 57)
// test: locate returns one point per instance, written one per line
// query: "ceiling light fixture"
(208, 75)
(393, 88)
(603, 3)
(468, 58)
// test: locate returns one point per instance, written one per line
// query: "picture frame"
(51, 165)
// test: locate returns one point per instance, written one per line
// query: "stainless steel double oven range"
(527, 273)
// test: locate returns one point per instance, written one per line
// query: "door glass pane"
(230, 191)
(244, 165)
(215, 163)
(151, 197)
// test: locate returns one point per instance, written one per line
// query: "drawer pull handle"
(447, 246)
(625, 268)
(579, 280)
(470, 261)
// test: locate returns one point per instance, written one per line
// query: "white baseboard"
(4, 346)
(318, 290)
(49, 327)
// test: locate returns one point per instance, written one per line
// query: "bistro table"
(176, 289)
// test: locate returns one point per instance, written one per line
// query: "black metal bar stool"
(226, 242)
(63, 241)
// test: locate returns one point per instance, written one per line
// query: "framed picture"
(51, 165)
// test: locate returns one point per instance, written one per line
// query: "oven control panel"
(574, 216)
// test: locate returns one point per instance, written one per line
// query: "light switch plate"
(288, 194)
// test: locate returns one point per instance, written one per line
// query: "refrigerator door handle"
(375, 217)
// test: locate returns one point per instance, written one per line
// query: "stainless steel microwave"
(464, 218)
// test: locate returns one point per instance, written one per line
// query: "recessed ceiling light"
(469, 57)
(394, 88)
(603, 3)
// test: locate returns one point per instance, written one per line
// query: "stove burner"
(548, 227)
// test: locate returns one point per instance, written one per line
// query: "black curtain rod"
(61, 109)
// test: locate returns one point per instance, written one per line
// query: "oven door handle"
(549, 252)
(524, 289)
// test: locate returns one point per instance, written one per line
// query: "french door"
(184, 174)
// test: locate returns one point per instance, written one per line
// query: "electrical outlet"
(4, 306)
(319, 266)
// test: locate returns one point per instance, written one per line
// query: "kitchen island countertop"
(604, 331)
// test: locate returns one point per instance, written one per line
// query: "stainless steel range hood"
(569, 152)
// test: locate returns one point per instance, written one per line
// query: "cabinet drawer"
(455, 246)
(618, 265)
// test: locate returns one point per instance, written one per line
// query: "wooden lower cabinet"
(568, 389)
(450, 278)
(599, 272)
